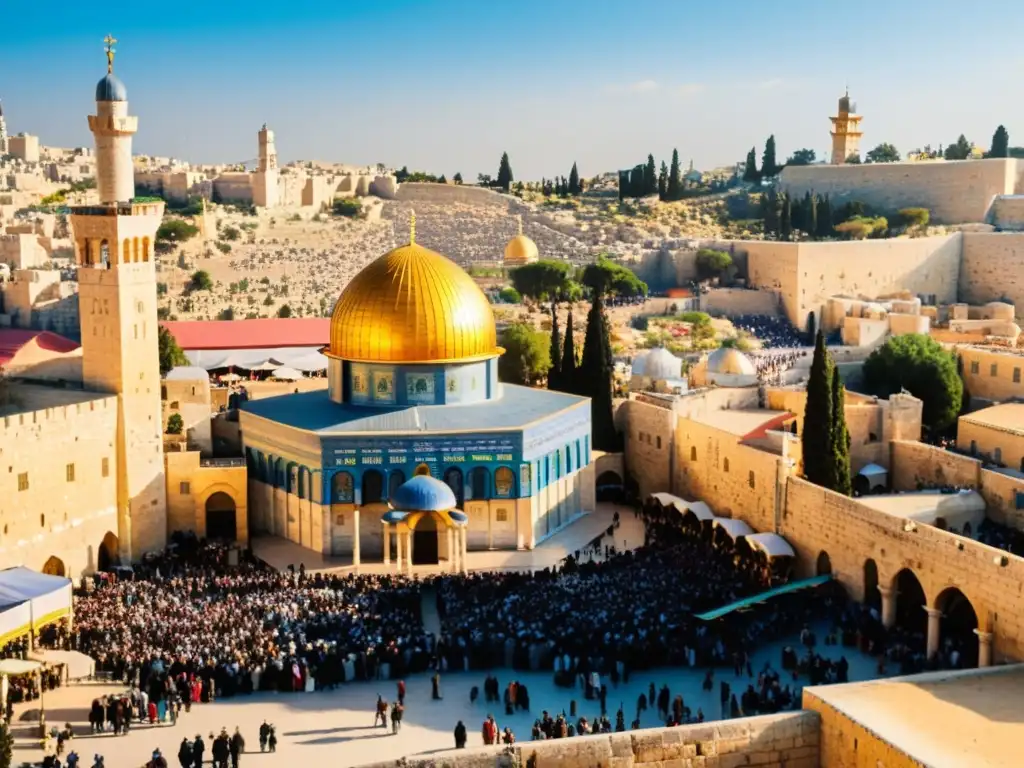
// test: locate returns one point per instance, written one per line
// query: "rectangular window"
(184, 488)
(501, 515)
(993, 369)
(659, 442)
(69, 473)
(1016, 375)
(339, 519)
(974, 367)
(105, 467)
(750, 479)
(23, 481)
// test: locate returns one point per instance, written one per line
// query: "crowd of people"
(770, 366)
(774, 332)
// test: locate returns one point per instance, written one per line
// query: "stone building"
(996, 432)
(24, 147)
(992, 373)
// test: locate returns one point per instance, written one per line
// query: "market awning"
(79, 666)
(735, 528)
(771, 544)
(747, 602)
(48, 597)
(15, 621)
(699, 509)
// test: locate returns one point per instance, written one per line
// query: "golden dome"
(520, 249)
(412, 305)
(727, 360)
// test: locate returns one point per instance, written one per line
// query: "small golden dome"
(412, 305)
(726, 360)
(520, 250)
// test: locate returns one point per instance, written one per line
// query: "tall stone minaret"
(846, 131)
(3, 131)
(117, 307)
(266, 179)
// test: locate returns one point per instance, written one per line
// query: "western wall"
(992, 267)
(954, 192)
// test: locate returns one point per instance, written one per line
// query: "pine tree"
(770, 203)
(663, 182)
(824, 228)
(750, 172)
(505, 177)
(650, 176)
(1000, 143)
(839, 454)
(811, 216)
(574, 181)
(786, 220)
(675, 184)
(769, 167)
(595, 374)
(568, 378)
(554, 372)
(817, 435)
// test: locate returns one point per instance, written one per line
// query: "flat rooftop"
(1008, 417)
(745, 423)
(943, 719)
(26, 398)
(925, 506)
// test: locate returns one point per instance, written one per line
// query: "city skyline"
(447, 86)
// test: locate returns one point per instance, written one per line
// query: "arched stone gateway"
(872, 597)
(221, 517)
(824, 566)
(958, 624)
(107, 554)
(54, 566)
(910, 602)
(609, 487)
(424, 543)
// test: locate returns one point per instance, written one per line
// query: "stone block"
(735, 760)
(709, 748)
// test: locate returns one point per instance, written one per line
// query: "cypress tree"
(825, 219)
(840, 448)
(817, 436)
(811, 217)
(574, 181)
(1000, 143)
(554, 373)
(786, 220)
(505, 178)
(568, 380)
(663, 182)
(675, 183)
(650, 176)
(768, 165)
(750, 172)
(595, 375)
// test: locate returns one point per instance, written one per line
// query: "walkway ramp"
(761, 597)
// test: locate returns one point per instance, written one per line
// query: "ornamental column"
(398, 543)
(451, 550)
(984, 648)
(888, 606)
(408, 557)
(387, 542)
(355, 537)
(934, 614)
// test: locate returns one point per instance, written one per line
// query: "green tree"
(663, 182)
(853, 159)
(505, 177)
(595, 377)
(839, 454)
(173, 232)
(825, 229)
(769, 166)
(509, 295)
(175, 424)
(6, 746)
(555, 352)
(284, 311)
(750, 171)
(883, 153)
(915, 217)
(568, 376)
(527, 357)
(544, 280)
(457, 178)
(810, 222)
(959, 151)
(442, 180)
(201, 281)
(712, 263)
(786, 220)
(606, 277)
(675, 182)
(817, 434)
(1000, 143)
(228, 313)
(922, 366)
(347, 206)
(650, 176)
(802, 157)
(574, 181)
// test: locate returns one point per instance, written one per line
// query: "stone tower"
(845, 131)
(117, 306)
(3, 131)
(265, 180)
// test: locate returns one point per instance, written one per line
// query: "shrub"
(175, 424)
(284, 311)
(509, 295)
(231, 233)
(201, 281)
(914, 217)
(223, 247)
(712, 263)
(348, 206)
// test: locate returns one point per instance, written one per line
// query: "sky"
(448, 85)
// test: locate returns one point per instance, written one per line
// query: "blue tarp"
(746, 602)
(20, 584)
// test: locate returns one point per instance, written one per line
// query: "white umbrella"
(287, 374)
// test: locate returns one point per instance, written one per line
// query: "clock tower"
(114, 250)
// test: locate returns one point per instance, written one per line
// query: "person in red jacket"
(490, 730)
(401, 692)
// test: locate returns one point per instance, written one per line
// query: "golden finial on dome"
(412, 228)
(109, 41)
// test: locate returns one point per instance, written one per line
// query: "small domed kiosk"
(426, 525)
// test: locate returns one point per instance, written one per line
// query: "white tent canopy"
(771, 544)
(18, 667)
(303, 359)
(699, 509)
(286, 374)
(48, 597)
(871, 470)
(735, 528)
(15, 620)
(78, 665)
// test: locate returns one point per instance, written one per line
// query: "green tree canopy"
(527, 357)
(175, 424)
(284, 311)
(750, 172)
(347, 206)
(555, 352)
(173, 232)
(675, 183)
(201, 281)
(961, 150)
(802, 157)
(1000, 143)
(712, 263)
(509, 295)
(457, 178)
(594, 377)
(769, 166)
(170, 353)
(574, 181)
(853, 159)
(606, 277)
(505, 177)
(920, 365)
(883, 153)
(544, 280)
(839, 450)
(818, 423)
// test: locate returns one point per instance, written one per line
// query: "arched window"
(279, 474)
(558, 464)
(504, 482)
(135, 249)
(373, 486)
(105, 253)
(341, 488)
(395, 481)
(303, 483)
(478, 477)
(453, 479)
(693, 453)
(145, 249)
(725, 465)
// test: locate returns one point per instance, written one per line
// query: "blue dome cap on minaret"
(111, 89)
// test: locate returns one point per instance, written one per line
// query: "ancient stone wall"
(774, 267)
(1002, 445)
(992, 268)
(915, 464)
(816, 520)
(1004, 497)
(738, 301)
(649, 438)
(787, 740)
(954, 192)
(452, 193)
(1008, 212)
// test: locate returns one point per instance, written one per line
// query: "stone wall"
(413, 191)
(954, 192)
(816, 520)
(739, 301)
(1007, 381)
(649, 445)
(916, 463)
(1008, 212)
(1002, 492)
(787, 740)
(1002, 445)
(992, 268)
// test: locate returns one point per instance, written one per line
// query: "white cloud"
(644, 86)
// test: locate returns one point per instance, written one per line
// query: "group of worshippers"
(29, 687)
(771, 365)
(223, 748)
(774, 332)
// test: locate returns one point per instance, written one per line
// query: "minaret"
(845, 131)
(3, 131)
(117, 310)
(265, 180)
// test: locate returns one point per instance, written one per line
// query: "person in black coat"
(198, 751)
(460, 735)
(236, 747)
(185, 754)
